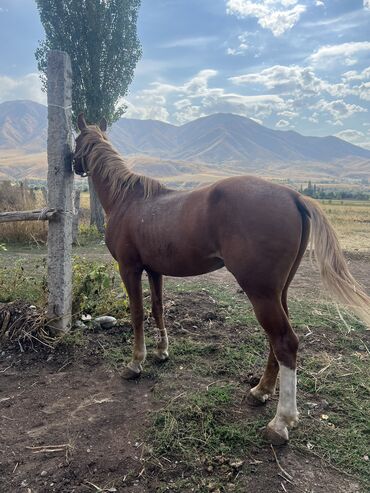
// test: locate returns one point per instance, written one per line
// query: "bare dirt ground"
(70, 424)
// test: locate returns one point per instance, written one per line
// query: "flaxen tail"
(333, 267)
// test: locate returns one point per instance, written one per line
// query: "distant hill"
(212, 146)
(23, 125)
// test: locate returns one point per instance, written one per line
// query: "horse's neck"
(106, 191)
(102, 192)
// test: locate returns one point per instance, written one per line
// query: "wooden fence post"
(60, 190)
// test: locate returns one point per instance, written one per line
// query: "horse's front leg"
(132, 281)
(156, 287)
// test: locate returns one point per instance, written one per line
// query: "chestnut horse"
(258, 230)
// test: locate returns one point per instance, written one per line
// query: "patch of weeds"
(340, 431)
(190, 348)
(97, 289)
(116, 356)
(89, 234)
(234, 360)
(204, 438)
(75, 337)
(200, 426)
(20, 283)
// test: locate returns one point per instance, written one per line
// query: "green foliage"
(97, 289)
(88, 234)
(331, 193)
(19, 283)
(100, 37)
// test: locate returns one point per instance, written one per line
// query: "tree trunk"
(96, 210)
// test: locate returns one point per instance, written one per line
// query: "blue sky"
(299, 65)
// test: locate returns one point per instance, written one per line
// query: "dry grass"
(18, 197)
(351, 220)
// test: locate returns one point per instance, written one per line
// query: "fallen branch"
(287, 476)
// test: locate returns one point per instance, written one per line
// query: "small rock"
(210, 316)
(237, 464)
(366, 458)
(324, 404)
(24, 483)
(106, 322)
(44, 473)
(311, 405)
(80, 325)
(86, 318)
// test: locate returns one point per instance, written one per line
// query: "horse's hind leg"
(266, 387)
(284, 343)
(156, 287)
(259, 394)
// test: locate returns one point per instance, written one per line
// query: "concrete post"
(60, 191)
(76, 216)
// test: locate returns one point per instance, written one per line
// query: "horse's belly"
(181, 268)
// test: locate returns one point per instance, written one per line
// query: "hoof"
(276, 438)
(254, 401)
(130, 374)
(160, 357)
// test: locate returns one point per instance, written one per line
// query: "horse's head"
(88, 136)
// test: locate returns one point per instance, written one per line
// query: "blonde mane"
(104, 161)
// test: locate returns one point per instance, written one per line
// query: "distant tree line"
(316, 192)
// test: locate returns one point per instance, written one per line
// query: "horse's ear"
(81, 122)
(103, 125)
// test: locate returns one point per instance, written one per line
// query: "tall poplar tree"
(101, 38)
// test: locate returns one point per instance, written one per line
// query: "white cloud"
(196, 98)
(355, 137)
(243, 46)
(147, 111)
(25, 87)
(367, 4)
(338, 110)
(190, 42)
(282, 124)
(353, 75)
(341, 53)
(278, 16)
(349, 134)
(294, 80)
(364, 91)
(288, 114)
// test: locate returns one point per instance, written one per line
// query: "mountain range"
(201, 150)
